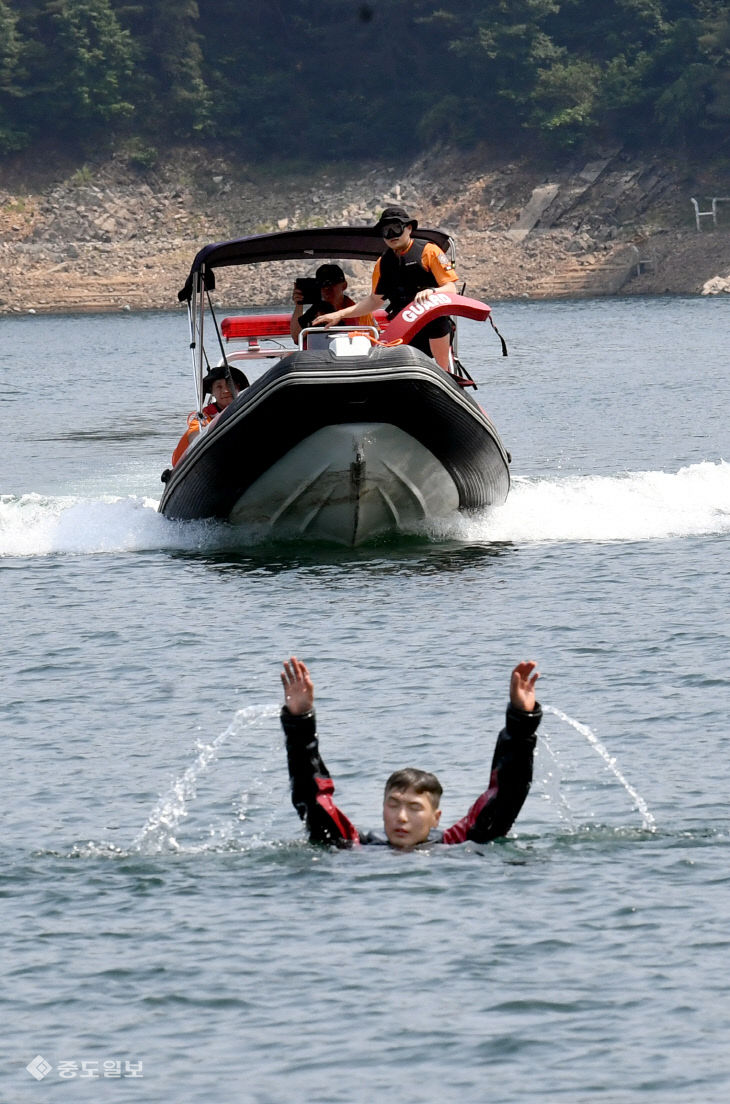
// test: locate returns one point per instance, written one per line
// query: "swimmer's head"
(410, 778)
(411, 807)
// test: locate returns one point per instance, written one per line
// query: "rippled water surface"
(168, 935)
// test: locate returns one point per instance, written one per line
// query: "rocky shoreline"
(109, 237)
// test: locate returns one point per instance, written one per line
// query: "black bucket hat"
(222, 372)
(396, 214)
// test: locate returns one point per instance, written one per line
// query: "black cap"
(396, 214)
(222, 372)
(330, 274)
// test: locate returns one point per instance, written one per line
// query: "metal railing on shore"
(712, 213)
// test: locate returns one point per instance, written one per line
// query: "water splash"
(37, 525)
(695, 501)
(648, 822)
(158, 834)
(552, 790)
(632, 506)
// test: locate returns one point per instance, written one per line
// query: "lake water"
(169, 936)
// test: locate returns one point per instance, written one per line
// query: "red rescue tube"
(443, 301)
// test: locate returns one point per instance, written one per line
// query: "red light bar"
(271, 325)
(255, 325)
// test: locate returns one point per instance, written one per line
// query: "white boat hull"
(349, 484)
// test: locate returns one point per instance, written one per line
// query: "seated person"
(332, 284)
(223, 384)
(411, 811)
(408, 271)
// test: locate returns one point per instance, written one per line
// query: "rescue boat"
(349, 436)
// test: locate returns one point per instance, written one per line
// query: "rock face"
(717, 286)
(105, 237)
(530, 215)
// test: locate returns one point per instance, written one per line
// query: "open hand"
(522, 685)
(298, 687)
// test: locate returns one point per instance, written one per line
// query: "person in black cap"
(332, 284)
(407, 272)
(223, 384)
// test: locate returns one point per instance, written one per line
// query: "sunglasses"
(394, 229)
(329, 283)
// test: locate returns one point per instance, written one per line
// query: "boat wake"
(633, 506)
(37, 525)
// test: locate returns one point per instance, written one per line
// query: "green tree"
(343, 78)
(714, 41)
(565, 98)
(499, 47)
(335, 80)
(94, 60)
(78, 63)
(172, 96)
(666, 91)
(602, 32)
(12, 136)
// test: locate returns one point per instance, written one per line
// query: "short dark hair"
(410, 778)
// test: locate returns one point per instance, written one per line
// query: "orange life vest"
(195, 424)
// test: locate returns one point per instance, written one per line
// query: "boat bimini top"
(353, 242)
(359, 243)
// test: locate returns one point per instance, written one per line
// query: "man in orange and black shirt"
(407, 272)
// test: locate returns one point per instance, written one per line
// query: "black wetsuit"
(492, 814)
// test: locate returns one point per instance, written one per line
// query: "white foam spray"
(158, 834)
(695, 501)
(648, 822)
(37, 525)
(632, 506)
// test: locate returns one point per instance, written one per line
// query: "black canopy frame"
(359, 243)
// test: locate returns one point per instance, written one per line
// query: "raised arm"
(495, 811)
(311, 784)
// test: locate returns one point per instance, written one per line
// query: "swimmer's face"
(408, 817)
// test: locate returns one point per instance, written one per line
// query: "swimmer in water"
(411, 812)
